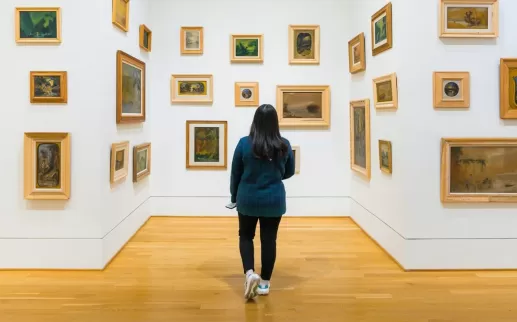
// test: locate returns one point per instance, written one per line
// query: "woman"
(260, 162)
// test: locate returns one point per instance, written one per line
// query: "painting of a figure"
(192, 88)
(47, 86)
(192, 39)
(246, 47)
(206, 144)
(302, 105)
(48, 171)
(38, 24)
(360, 136)
(131, 89)
(380, 29)
(467, 17)
(141, 161)
(384, 91)
(119, 160)
(304, 44)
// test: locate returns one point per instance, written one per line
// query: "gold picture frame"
(469, 19)
(240, 48)
(382, 30)
(247, 94)
(22, 36)
(120, 14)
(385, 156)
(451, 89)
(356, 54)
(145, 38)
(141, 155)
(297, 158)
(192, 88)
(191, 40)
(385, 92)
(217, 158)
(312, 100)
(131, 107)
(119, 164)
(360, 153)
(43, 87)
(508, 88)
(301, 37)
(47, 166)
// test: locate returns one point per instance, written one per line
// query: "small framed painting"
(119, 167)
(385, 92)
(247, 94)
(385, 156)
(47, 166)
(303, 105)
(297, 157)
(304, 44)
(382, 31)
(451, 89)
(192, 89)
(48, 87)
(146, 38)
(356, 54)
(38, 25)
(479, 170)
(141, 161)
(508, 88)
(360, 160)
(120, 14)
(247, 48)
(191, 40)
(469, 18)
(130, 89)
(207, 145)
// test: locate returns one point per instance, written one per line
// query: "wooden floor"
(188, 269)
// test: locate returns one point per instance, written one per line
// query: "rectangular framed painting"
(360, 160)
(385, 156)
(38, 25)
(247, 48)
(120, 14)
(385, 92)
(303, 105)
(141, 161)
(192, 88)
(297, 158)
(191, 40)
(508, 88)
(47, 166)
(382, 30)
(479, 170)
(356, 54)
(48, 87)
(130, 89)
(451, 89)
(304, 44)
(246, 94)
(119, 165)
(469, 18)
(146, 38)
(207, 145)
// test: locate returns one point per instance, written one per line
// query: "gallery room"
(245, 160)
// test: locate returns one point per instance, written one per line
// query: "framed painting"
(356, 54)
(38, 25)
(451, 89)
(141, 161)
(382, 30)
(247, 94)
(120, 14)
(192, 89)
(247, 48)
(191, 40)
(297, 157)
(47, 166)
(207, 145)
(304, 44)
(385, 92)
(119, 165)
(360, 160)
(469, 18)
(303, 105)
(479, 170)
(146, 38)
(130, 89)
(508, 88)
(385, 156)
(48, 87)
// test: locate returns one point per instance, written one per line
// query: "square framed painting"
(508, 88)
(141, 161)
(356, 54)
(304, 44)
(207, 145)
(247, 94)
(191, 40)
(469, 18)
(382, 30)
(38, 25)
(48, 87)
(360, 160)
(385, 92)
(146, 38)
(47, 166)
(247, 48)
(451, 89)
(303, 105)
(119, 164)
(130, 89)
(192, 88)
(479, 170)
(120, 14)
(297, 158)
(385, 156)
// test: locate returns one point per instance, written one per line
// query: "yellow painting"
(120, 16)
(192, 88)
(467, 17)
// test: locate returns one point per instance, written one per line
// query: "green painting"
(246, 47)
(380, 30)
(131, 89)
(304, 44)
(47, 86)
(38, 25)
(141, 160)
(146, 39)
(48, 165)
(360, 136)
(206, 140)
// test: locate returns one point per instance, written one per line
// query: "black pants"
(268, 233)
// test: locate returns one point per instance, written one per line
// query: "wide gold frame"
(324, 121)
(495, 19)
(122, 57)
(17, 35)
(114, 178)
(174, 97)
(63, 99)
(252, 103)
(389, 169)
(359, 39)
(297, 165)
(439, 77)
(235, 59)
(505, 110)
(183, 51)
(316, 59)
(137, 148)
(365, 172)
(114, 16)
(389, 30)
(201, 167)
(30, 157)
(393, 104)
(144, 29)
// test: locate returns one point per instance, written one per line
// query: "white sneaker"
(263, 289)
(250, 286)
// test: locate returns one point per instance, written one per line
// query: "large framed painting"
(192, 89)
(304, 44)
(191, 40)
(119, 165)
(247, 94)
(38, 25)
(47, 166)
(120, 14)
(382, 30)
(385, 92)
(146, 38)
(247, 48)
(48, 87)
(469, 18)
(297, 158)
(385, 156)
(508, 88)
(356, 54)
(130, 89)
(303, 105)
(479, 170)
(451, 89)
(141, 161)
(207, 145)
(360, 160)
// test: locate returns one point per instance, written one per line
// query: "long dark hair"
(265, 135)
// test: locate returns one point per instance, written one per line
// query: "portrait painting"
(247, 48)
(451, 89)
(119, 161)
(508, 88)
(191, 89)
(146, 37)
(120, 14)
(207, 145)
(191, 40)
(469, 18)
(130, 89)
(382, 31)
(385, 92)
(38, 25)
(360, 160)
(385, 156)
(141, 161)
(48, 87)
(247, 94)
(303, 105)
(297, 157)
(304, 44)
(356, 54)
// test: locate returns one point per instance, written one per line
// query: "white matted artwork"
(297, 157)
(192, 88)
(119, 161)
(207, 145)
(469, 18)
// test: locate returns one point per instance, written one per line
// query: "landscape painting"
(508, 88)
(381, 34)
(141, 161)
(38, 25)
(385, 156)
(247, 94)
(192, 88)
(247, 48)
(303, 105)
(146, 37)
(385, 92)
(469, 18)
(451, 89)
(130, 89)
(48, 87)
(48, 171)
(304, 44)
(381, 28)
(191, 40)
(119, 161)
(207, 144)
(360, 137)
(356, 54)
(120, 14)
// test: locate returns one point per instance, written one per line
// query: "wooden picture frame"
(44, 85)
(191, 40)
(247, 94)
(240, 48)
(141, 153)
(297, 158)
(131, 89)
(451, 89)
(360, 153)
(317, 102)
(301, 37)
(47, 166)
(39, 37)
(356, 54)
(192, 88)
(145, 38)
(471, 174)
(385, 161)
(207, 160)
(120, 14)
(469, 19)
(508, 88)
(385, 92)
(382, 30)
(119, 164)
